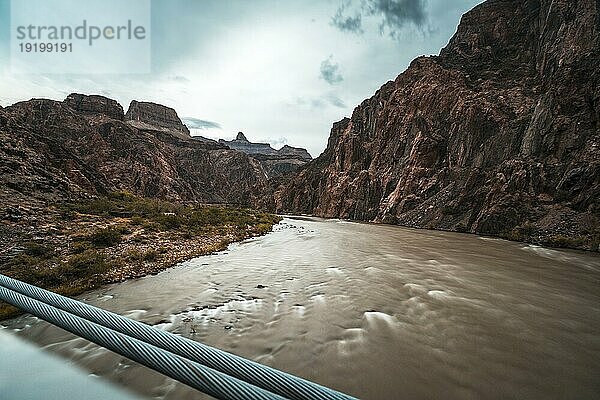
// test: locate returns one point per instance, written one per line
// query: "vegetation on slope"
(80, 246)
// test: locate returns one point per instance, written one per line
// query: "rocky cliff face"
(94, 104)
(152, 116)
(498, 135)
(275, 162)
(62, 150)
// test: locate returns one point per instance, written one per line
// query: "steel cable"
(207, 380)
(270, 379)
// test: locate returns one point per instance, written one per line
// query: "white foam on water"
(438, 294)
(353, 339)
(299, 310)
(375, 317)
(561, 256)
(373, 270)
(135, 314)
(166, 326)
(491, 239)
(231, 307)
(318, 298)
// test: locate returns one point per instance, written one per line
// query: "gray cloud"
(394, 15)
(321, 101)
(278, 142)
(397, 13)
(345, 23)
(195, 123)
(330, 71)
(335, 101)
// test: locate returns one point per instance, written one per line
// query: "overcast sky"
(281, 71)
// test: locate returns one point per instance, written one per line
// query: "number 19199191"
(46, 47)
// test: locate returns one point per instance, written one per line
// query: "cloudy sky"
(281, 71)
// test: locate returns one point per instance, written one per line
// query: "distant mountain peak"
(275, 162)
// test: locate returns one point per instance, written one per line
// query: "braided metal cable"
(207, 380)
(259, 375)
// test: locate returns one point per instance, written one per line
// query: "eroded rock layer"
(154, 116)
(94, 104)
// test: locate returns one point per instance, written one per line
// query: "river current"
(376, 311)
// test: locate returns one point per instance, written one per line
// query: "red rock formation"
(152, 116)
(499, 134)
(52, 151)
(95, 104)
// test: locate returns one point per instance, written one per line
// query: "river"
(376, 311)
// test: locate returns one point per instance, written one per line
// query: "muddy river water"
(379, 312)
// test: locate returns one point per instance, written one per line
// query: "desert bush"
(38, 250)
(151, 255)
(86, 264)
(106, 237)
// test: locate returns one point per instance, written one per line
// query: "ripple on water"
(415, 289)
(335, 270)
(352, 341)
(376, 318)
(299, 310)
(373, 270)
(318, 299)
(563, 256)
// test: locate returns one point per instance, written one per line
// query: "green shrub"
(106, 237)
(158, 215)
(595, 245)
(133, 255)
(38, 250)
(137, 220)
(169, 222)
(151, 255)
(80, 247)
(88, 263)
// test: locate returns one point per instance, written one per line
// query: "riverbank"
(588, 242)
(70, 248)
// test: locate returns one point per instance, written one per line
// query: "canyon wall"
(497, 135)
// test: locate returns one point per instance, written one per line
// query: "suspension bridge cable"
(270, 379)
(207, 380)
